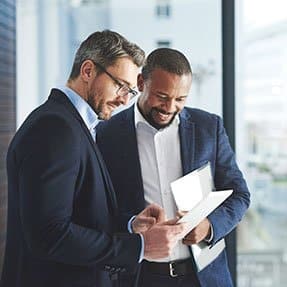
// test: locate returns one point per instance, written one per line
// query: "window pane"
(262, 140)
(49, 32)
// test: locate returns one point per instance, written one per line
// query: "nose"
(124, 99)
(169, 106)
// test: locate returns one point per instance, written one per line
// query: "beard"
(150, 119)
(98, 108)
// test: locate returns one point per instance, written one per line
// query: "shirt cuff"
(130, 229)
(209, 239)
(142, 250)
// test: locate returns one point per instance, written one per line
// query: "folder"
(195, 194)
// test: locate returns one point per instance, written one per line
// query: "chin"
(104, 116)
(163, 123)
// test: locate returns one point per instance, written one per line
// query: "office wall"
(7, 102)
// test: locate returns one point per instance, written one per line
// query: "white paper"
(194, 193)
(187, 199)
(205, 254)
(205, 207)
(190, 189)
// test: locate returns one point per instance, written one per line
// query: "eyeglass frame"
(131, 92)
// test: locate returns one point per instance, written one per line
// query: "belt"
(173, 269)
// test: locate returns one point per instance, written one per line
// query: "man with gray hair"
(64, 226)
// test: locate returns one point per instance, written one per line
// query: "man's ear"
(87, 70)
(140, 82)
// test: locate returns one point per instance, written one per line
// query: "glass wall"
(261, 101)
(49, 32)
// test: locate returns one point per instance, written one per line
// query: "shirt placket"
(162, 157)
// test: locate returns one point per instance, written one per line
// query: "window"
(163, 43)
(163, 9)
(262, 141)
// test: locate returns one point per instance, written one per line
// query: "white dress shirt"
(160, 161)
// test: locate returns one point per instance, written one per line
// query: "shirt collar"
(140, 119)
(87, 113)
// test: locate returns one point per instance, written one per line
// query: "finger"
(170, 222)
(181, 213)
(190, 235)
(161, 217)
(157, 212)
(153, 207)
(148, 221)
(187, 241)
(179, 229)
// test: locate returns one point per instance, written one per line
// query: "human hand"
(161, 238)
(151, 215)
(181, 213)
(198, 233)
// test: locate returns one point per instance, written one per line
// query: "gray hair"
(167, 59)
(105, 48)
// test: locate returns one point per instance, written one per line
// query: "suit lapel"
(187, 147)
(186, 133)
(60, 97)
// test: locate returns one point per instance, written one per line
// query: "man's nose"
(169, 106)
(124, 100)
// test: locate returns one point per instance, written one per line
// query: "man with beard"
(64, 226)
(157, 141)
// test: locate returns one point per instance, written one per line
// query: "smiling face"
(163, 96)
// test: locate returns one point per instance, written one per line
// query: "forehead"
(126, 70)
(124, 66)
(161, 79)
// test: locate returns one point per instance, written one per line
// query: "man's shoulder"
(48, 114)
(47, 120)
(198, 115)
(124, 114)
(118, 119)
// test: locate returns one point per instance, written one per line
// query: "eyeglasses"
(123, 89)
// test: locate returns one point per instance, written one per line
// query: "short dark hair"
(105, 48)
(167, 59)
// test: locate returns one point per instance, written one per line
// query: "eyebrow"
(164, 94)
(126, 82)
(117, 78)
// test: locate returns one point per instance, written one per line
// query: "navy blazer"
(202, 139)
(62, 210)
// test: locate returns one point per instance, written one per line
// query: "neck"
(77, 87)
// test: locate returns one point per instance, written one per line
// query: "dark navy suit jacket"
(62, 210)
(202, 139)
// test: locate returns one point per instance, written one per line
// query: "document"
(204, 254)
(195, 194)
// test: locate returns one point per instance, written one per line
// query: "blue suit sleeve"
(227, 176)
